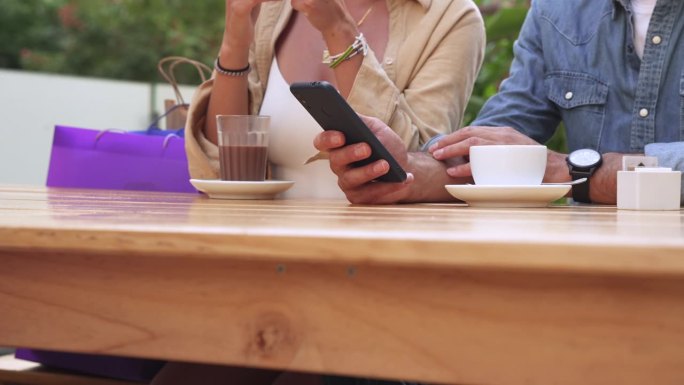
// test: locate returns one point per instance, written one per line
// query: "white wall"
(31, 104)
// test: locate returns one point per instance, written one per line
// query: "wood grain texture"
(438, 293)
(557, 238)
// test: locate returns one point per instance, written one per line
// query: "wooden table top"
(436, 293)
(564, 238)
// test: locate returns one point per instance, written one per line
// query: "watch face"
(584, 158)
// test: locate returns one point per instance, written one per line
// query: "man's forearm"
(603, 188)
(602, 185)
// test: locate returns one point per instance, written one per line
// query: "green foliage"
(121, 39)
(502, 23)
(559, 141)
(26, 26)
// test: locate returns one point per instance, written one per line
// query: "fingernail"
(336, 141)
(380, 167)
(359, 151)
(433, 147)
(438, 153)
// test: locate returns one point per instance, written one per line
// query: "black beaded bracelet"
(228, 72)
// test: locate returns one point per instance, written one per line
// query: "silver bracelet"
(228, 72)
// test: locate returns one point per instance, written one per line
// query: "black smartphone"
(331, 111)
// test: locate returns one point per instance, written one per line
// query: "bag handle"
(156, 121)
(168, 138)
(167, 66)
(103, 132)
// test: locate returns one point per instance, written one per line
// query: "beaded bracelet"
(358, 46)
(228, 72)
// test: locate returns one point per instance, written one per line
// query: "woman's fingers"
(359, 182)
(324, 14)
(354, 177)
(342, 158)
(242, 7)
(329, 140)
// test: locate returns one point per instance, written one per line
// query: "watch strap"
(580, 192)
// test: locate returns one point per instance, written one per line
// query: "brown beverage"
(244, 163)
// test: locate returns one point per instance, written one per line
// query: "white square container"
(657, 188)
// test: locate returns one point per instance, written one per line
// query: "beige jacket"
(420, 88)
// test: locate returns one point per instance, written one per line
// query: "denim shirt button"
(569, 95)
(643, 112)
(657, 40)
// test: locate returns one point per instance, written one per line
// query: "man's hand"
(358, 182)
(457, 144)
(603, 184)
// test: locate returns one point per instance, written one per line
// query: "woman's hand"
(358, 183)
(238, 35)
(328, 16)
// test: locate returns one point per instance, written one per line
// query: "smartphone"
(331, 111)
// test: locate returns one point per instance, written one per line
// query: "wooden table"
(442, 293)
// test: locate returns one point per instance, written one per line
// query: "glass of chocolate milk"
(243, 145)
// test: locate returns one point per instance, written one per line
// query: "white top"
(642, 10)
(291, 143)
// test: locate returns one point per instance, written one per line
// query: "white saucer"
(508, 196)
(225, 189)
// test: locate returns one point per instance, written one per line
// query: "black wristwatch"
(582, 164)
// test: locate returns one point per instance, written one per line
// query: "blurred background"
(93, 63)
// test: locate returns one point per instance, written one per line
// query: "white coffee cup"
(510, 165)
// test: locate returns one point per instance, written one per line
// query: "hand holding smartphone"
(331, 111)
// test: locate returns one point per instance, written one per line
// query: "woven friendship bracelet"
(359, 46)
(228, 72)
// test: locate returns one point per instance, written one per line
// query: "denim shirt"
(575, 62)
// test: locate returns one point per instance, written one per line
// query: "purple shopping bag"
(123, 368)
(85, 158)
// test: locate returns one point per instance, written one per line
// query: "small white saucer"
(226, 189)
(508, 196)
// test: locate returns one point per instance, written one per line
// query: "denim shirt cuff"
(669, 155)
